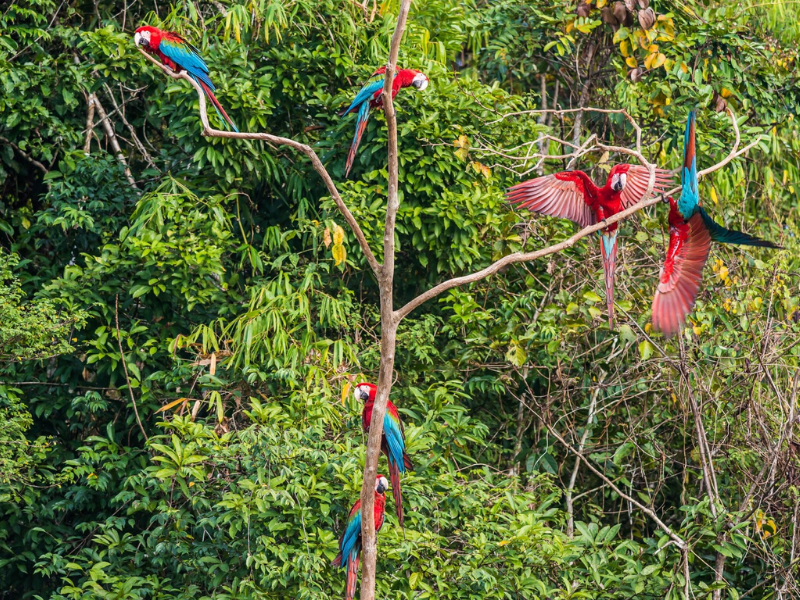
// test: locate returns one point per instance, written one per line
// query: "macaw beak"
(617, 187)
(381, 488)
(420, 81)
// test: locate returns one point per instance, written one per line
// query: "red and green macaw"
(393, 442)
(691, 231)
(350, 544)
(573, 195)
(179, 55)
(371, 96)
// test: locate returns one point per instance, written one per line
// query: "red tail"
(361, 125)
(394, 477)
(608, 247)
(217, 106)
(352, 577)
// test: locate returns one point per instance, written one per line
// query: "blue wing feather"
(366, 93)
(690, 194)
(188, 58)
(731, 236)
(394, 439)
(351, 540)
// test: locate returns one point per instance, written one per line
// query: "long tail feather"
(608, 248)
(361, 125)
(217, 106)
(731, 236)
(394, 477)
(337, 562)
(352, 576)
(689, 150)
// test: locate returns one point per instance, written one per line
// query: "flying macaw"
(393, 442)
(179, 55)
(350, 544)
(371, 96)
(573, 195)
(691, 231)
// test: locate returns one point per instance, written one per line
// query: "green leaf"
(645, 349)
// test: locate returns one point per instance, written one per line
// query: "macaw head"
(365, 392)
(146, 37)
(381, 485)
(618, 177)
(420, 80)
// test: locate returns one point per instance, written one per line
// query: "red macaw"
(691, 231)
(350, 544)
(393, 442)
(371, 96)
(573, 195)
(179, 55)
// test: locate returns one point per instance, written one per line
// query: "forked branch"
(209, 131)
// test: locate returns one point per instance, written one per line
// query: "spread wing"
(636, 184)
(350, 544)
(186, 56)
(559, 195)
(689, 245)
(375, 84)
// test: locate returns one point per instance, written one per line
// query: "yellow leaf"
(713, 195)
(171, 404)
(213, 366)
(631, 62)
(684, 67)
(461, 142)
(625, 48)
(648, 62)
(462, 153)
(570, 26)
(338, 234)
(697, 330)
(345, 391)
(648, 327)
(339, 254)
(326, 237)
(652, 48)
(506, 542)
(785, 176)
(723, 273)
(725, 93)
(601, 3)
(487, 172)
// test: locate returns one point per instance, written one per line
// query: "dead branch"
(25, 155)
(305, 149)
(106, 122)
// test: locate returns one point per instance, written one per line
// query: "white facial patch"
(420, 81)
(382, 482)
(141, 38)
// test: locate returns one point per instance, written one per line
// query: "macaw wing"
(395, 437)
(723, 235)
(351, 539)
(559, 195)
(680, 278)
(186, 56)
(690, 194)
(636, 184)
(366, 93)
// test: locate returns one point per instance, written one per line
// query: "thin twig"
(125, 367)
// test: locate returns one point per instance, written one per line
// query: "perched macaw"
(393, 442)
(350, 544)
(573, 195)
(691, 231)
(179, 55)
(371, 96)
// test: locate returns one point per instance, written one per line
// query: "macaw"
(573, 195)
(691, 231)
(371, 96)
(179, 55)
(393, 442)
(350, 544)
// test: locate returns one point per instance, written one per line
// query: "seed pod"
(643, 4)
(607, 16)
(635, 74)
(647, 18)
(583, 9)
(630, 5)
(720, 104)
(620, 12)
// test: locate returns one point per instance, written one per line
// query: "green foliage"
(226, 299)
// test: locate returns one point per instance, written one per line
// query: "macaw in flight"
(393, 441)
(179, 55)
(691, 231)
(371, 96)
(573, 195)
(350, 544)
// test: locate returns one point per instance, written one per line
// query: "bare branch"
(105, 121)
(305, 149)
(25, 155)
(518, 257)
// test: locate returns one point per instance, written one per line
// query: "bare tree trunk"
(389, 321)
